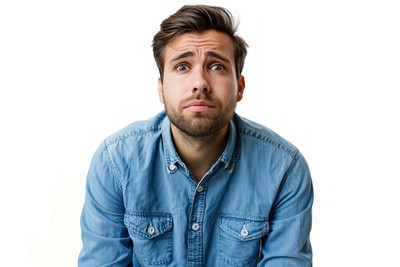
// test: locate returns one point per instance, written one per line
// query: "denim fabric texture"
(143, 207)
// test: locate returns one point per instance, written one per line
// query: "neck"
(199, 153)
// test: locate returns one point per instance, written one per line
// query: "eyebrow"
(217, 55)
(182, 55)
(208, 54)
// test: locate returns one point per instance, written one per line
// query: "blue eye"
(181, 67)
(217, 67)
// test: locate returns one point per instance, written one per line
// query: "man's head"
(198, 18)
(200, 61)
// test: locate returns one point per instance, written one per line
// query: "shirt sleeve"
(105, 239)
(288, 241)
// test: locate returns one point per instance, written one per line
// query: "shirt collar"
(172, 158)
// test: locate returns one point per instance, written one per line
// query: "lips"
(199, 105)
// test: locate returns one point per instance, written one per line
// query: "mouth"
(199, 106)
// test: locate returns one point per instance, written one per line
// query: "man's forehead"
(201, 42)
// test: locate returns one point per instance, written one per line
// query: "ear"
(160, 91)
(241, 86)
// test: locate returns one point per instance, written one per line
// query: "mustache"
(204, 97)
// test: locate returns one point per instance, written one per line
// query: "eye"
(181, 67)
(217, 67)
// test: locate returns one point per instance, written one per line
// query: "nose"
(200, 83)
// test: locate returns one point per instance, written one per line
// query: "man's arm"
(105, 239)
(288, 241)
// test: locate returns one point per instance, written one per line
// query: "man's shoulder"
(138, 128)
(255, 132)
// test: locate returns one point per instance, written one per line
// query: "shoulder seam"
(112, 140)
(266, 140)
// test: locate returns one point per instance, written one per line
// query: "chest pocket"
(240, 239)
(151, 233)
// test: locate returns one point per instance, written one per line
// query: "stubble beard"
(200, 125)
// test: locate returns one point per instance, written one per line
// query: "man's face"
(199, 87)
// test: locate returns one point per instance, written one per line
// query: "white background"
(323, 74)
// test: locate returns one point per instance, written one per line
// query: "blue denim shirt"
(144, 208)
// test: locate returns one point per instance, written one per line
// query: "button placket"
(195, 236)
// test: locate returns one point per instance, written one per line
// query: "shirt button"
(195, 227)
(172, 167)
(244, 232)
(151, 230)
(200, 189)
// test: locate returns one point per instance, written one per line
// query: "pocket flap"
(148, 225)
(244, 228)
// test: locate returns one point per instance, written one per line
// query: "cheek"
(175, 89)
(231, 94)
(169, 94)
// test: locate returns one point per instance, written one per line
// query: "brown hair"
(199, 18)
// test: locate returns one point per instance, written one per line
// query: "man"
(197, 185)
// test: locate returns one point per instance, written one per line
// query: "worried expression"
(200, 88)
